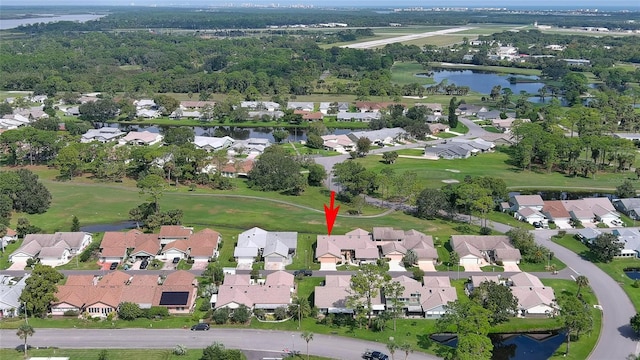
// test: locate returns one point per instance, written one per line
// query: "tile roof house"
(591, 210)
(527, 208)
(240, 168)
(260, 105)
(201, 246)
(484, 249)
(396, 243)
(555, 211)
(370, 106)
(196, 104)
(339, 143)
(270, 294)
(52, 249)
(309, 115)
(534, 299)
(468, 109)
(339, 107)
(277, 248)
(359, 117)
(103, 135)
(101, 295)
(434, 107)
(141, 138)
(428, 300)
(355, 246)
(457, 149)
(332, 297)
(169, 233)
(9, 237)
(436, 128)
(298, 105)
(10, 291)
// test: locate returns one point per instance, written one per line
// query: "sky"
(576, 4)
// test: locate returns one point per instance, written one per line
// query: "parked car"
(200, 327)
(303, 273)
(114, 265)
(144, 264)
(374, 355)
(176, 260)
(537, 225)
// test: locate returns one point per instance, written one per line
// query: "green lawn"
(8, 250)
(496, 164)
(492, 268)
(403, 73)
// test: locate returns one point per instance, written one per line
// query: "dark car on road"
(113, 266)
(302, 273)
(200, 327)
(144, 264)
(374, 355)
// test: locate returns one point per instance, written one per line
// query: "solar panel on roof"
(174, 298)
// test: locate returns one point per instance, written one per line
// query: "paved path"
(379, 43)
(335, 347)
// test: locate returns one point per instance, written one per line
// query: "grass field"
(403, 73)
(432, 173)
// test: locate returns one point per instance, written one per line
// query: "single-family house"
(448, 151)
(300, 105)
(339, 143)
(489, 115)
(591, 210)
(145, 104)
(395, 244)
(437, 128)
(479, 250)
(630, 238)
(101, 295)
(527, 208)
(72, 111)
(182, 113)
(212, 143)
(261, 114)
(428, 300)
(203, 245)
(476, 280)
(330, 108)
(260, 105)
(141, 138)
(51, 249)
(469, 110)
(251, 146)
(309, 115)
(360, 117)
(505, 125)
(499, 139)
(239, 168)
(386, 136)
(103, 135)
(169, 233)
(331, 298)
(355, 246)
(10, 290)
(277, 248)
(534, 299)
(436, 108)
(175, 249)
(370, 106)
(588, 234)
(555, 212)
(628, 206)
(268, 295)
(10, 237)
(191, 105)
(147, 113)
(116, 244)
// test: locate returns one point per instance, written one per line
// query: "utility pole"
(26, 317)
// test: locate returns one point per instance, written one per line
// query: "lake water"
(237, 133)
(14, 23)
(482, 82)
(531, 346)
(123, 225)
(633, 273)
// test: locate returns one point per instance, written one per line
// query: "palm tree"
(582, 281)
(24, 331)
(406, 347)
(307, 336)
(392, 346)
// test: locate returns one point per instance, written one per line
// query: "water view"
(526, 346)
(482, 82)
(46, 18)
(633, 273)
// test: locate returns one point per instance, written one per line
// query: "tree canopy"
(275, 170)
(40, 289)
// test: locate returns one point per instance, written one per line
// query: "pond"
(483, 81)
(524, 346)
(48, 18)
(122, 225)
(237, 133)
(633, 273)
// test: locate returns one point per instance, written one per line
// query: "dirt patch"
(450, 181)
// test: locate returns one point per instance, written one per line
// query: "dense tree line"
(21, 191)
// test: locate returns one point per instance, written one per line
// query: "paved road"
(275, 342)
(379, 43)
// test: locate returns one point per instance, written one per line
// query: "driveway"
(199, 265)
(426, 266)
(18, 265)
(472, 267)
(511, 267)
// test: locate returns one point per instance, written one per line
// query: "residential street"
(270, 341)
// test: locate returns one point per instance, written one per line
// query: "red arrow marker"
(330, 213)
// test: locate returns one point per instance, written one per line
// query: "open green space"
(432, 173)
(403, 73)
